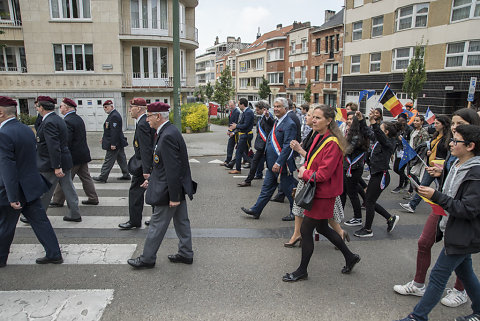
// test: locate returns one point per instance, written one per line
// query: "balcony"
(13, 69)
(12, 30)
(156, 28)
(149, 80)
(303, 81)
(10, 23)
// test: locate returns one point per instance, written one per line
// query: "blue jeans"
(446, 264)
(426, 181)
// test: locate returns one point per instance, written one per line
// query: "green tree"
(209, 90)
(416, 75)
(264, 89)
(224, 88)
(199, 93)
(308, 93)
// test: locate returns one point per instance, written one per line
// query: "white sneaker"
(407, 207)
(409, 289)
(454, 298)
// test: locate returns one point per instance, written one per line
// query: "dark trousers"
(373, 193)
(110, 157)
(401, 173)
(242, 149)
(37, 217)
(230, 148)
(351, 188)
(136, 199)
(256, 166)
(87, 183)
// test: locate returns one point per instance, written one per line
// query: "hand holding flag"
(426, 193)
(429, 116)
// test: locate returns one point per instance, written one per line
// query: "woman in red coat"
(325, 158)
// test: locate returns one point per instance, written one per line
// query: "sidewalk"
(212, 143)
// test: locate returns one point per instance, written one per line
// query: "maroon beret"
(138, 102)
(69, 102)
(158, 107)
(7, 101)
(46, 99)
(108, 102)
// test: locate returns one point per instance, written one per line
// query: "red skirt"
(322, 208)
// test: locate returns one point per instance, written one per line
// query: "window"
(357, 30)
(357, 3)
(316, 98)
(10, 11)
(414, 16)
(148, 14)
(401, 58)
(355, 66)
(331, 72)
(292, 74)
(337, 42)
(183, 65)
(258, 81)
(244, 65)
(259, 63)
(377, 26)
(318, 44)
(220, 68)
(326, 44)
(300, 98)
(304, 45)
(73, 57)
(463, 54)
(330, 99)
(149, 62)
(303, 74)
(233, 64)
(275, 78)
(292, 47)
(70, 9)
(375, 61)
(244, 83)
(317, 73)
(465, 9)
(275, 54)
(12, 59)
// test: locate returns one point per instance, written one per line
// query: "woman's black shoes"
(349, 267)
(290, 277)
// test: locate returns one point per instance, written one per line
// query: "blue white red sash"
(373, 148)
(273, 140)
(383, 181)
(261, 132)
(351, 163)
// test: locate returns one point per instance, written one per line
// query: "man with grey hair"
(280, 164)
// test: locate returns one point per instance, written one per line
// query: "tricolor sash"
(273, 140)
(316, 150)
(351, 163)
(261, 132)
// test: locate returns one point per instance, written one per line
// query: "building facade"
(296, 76)
(205, 69)
(380, 37)
(94, 51)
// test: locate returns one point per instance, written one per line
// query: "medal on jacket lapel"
(156, 159)
(136, 143)
(106, 124)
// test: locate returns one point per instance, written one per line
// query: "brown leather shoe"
(234, 172)
(244, 184)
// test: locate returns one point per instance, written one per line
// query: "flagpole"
(422, 161)
(381, 96)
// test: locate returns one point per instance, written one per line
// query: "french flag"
(429, 116)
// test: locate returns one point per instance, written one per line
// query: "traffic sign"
(471, 89)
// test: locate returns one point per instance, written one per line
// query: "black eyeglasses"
(455, 141)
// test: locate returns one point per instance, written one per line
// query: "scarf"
(434, 143)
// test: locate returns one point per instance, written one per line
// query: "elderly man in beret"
(140, 165)
(21, 186)
(54, 160)
(167, 186)
(77, 144)
(114, 142)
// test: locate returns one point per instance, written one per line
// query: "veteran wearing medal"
(140, 165)
(113, 141)
(167, 186)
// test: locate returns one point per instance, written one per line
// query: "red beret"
(7, 101)
(158, 107)
(69, 102)
(46, 99)
(138, 102)
(108, 102)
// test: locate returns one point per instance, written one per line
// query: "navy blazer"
(294, 117)
(266, 124)
(77, 139)
(285, 133)
(245, 123)
(52, 149)
(143, 145)
(233, 116)
(170, 179)
(20, 180)
(112, 131)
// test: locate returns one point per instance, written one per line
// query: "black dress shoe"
(147, 223)
(89, 202)
(98, 179)
(23, 219)
(46, 260)
(139, 264)
(258, 177)
(349, 267)
(290, 277)
(69, 219)
(278, 199)
(244, 184)
(177, 258)
(288, 218)
(124, 178)
(55, 205)
(250, 212)
(127, 226)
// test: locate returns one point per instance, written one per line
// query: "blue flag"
(408, 153)
(368, 93)
(408, 112)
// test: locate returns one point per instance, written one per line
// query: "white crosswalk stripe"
(98, 166)
(88, 222)
(107, 186)
(193, 160)
(215, 161)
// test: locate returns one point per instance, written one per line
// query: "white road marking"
(107, 186)
(193, 160)
(88, 222)
(84, 305)
(74, 253)
(100, 166)
(215, 161)
(240, 176)
(111, 178)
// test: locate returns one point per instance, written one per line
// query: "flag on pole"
(390, 101)
(429, 116)
(363, 93)
(436, 209)
(408, 153)
(341, 115)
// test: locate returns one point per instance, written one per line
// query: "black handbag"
(304, 197)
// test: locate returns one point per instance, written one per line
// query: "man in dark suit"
(244, 132)
(167, 186)
(21, 186)
(232, 118)
(114, 142)
(264, 127)
(54, 160)
(280, 162)
(140, 165)
(77, 144)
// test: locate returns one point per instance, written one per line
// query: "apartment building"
(92, 51)
(205, 69)
(326, 59)
(298, 61)
(380, 37)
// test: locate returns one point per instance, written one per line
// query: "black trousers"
(256, 163)
(230, 148)
(136, 199)
(352, 188)
(401, 172)
(242, 150)
(373, 193)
